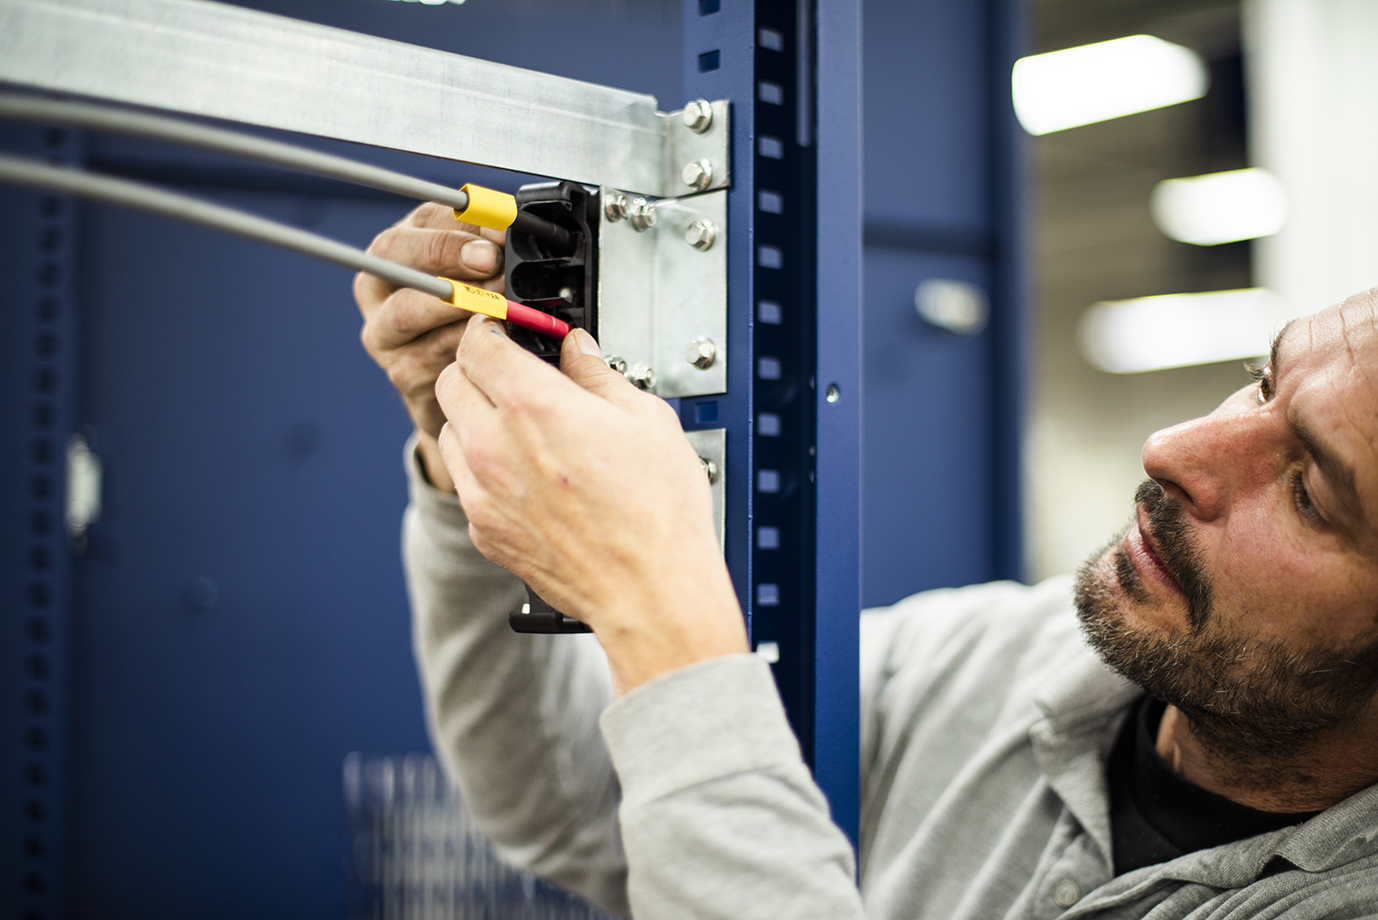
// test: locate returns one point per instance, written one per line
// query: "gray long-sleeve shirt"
(986, 722)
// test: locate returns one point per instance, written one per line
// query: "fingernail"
(586, 343)
(481, 255)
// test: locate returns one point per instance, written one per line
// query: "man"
(1009, 768)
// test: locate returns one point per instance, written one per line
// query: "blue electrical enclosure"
(177, 698)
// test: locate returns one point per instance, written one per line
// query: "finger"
(433, 216)
(407, 315)
(477, 439)
(451, 253)
(507, 374)
(582, 361)
(414, 369)
(459, 398)
(452, 453)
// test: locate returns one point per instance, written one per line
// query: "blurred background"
(1276, 87)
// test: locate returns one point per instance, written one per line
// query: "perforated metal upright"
(791, 71)
(38, 361)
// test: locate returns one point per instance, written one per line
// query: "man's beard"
(1254, 703)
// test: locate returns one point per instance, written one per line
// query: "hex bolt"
(698, 116)
(643, 214)
(701, 353)
(642, 376)
(710, 468)
(697, 174)
(700, 234)
(616, 206)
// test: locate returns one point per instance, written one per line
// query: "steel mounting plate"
(657, 293)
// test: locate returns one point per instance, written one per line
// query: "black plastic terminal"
(536, 616)
(556, 276)
(526, 222)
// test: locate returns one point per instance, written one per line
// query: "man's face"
(1246, 591)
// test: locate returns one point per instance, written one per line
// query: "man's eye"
(1301, 498)
(1264, 376)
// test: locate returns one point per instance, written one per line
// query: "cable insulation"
(22, 171)
(37, 109)
(42, 110)
(33, 174)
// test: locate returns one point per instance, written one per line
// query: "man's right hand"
(413, 336)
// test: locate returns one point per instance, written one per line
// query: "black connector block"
(556, 276)
(536, 616)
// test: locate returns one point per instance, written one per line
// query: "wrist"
(432, 465)
(672, 630)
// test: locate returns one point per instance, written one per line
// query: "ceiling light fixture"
(1224, 207)
(1091, 83)
(1177, 330)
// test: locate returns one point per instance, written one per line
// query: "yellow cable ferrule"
(476, 300)
(487, 208)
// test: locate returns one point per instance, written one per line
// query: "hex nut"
(616, 206)
(701, 353)
(616, 363)
(698, 116)
(643, 214)
(697, 174)
(700, 234)
(642, 376)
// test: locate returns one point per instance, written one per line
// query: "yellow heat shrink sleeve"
(487, 208)
(476, 300)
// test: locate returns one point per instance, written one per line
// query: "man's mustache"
(1167, 522)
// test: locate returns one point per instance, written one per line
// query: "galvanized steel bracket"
(662, 293)
(222, 61)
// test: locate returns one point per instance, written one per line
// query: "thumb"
(582, 361)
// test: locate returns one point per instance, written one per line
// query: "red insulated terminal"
(536, 321)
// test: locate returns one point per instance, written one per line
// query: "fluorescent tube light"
(1090, 83)
(1176, 330)
(1242, 204)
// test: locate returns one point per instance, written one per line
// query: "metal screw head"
(643, 214)
(697, 174)
(616, 206)
(698, 116)
(710, 468)
(700, 234)
(701, 353)
(567, 294)
(642, 376)
(616, 363)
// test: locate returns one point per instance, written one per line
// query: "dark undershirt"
(1156, 815)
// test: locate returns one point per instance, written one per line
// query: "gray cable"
(18, 107)
(31, 173)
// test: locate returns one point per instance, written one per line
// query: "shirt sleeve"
(513, 717)
(720, 815)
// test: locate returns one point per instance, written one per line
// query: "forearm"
(720, 815)
(514, 717)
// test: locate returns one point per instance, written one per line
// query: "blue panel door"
(942, 412)
(240, 622)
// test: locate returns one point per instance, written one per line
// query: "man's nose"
(1206, 462)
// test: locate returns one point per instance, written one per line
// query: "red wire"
(536, 321)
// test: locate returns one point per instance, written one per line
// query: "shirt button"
(1066, 893)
